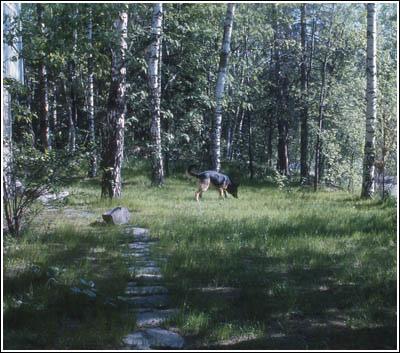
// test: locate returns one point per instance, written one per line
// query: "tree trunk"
(54, 120)
(304, 103)
(369, 147)
(251, 157)
(281, 90)
(320, 121)
(219, 90)
(271, 127)
(73, 105)
(42, 90)
(113, 148)
(92, 137)
(154, 81)
(283, 159)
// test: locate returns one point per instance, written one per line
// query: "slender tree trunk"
(384, 151)
(154, 81)
(231, 140)
(42, 91)
(320, 120)
(304, 103)
(92, 137)
(271, 128)
(283, 159)
(251, 154)
(369, 147)
(71, 125)
(54, 119)
(280, 111)
(240, 133)
(113, 133)
(219, 90)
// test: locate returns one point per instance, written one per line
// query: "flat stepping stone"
(150, 270)
(153, 338)
(152, 318)
(150, 301)
(148, 277)
(142, 254)
(146, 290)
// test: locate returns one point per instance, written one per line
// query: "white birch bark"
(116, 108)
(219, 90)
(154, 81)
(369, 147)
(42, 95)
(92, 137)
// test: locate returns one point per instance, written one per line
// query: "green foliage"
(192, 35)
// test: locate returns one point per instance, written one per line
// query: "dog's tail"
(190, 172)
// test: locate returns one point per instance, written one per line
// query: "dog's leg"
(221, 192)
(226, 194)
(203, 187)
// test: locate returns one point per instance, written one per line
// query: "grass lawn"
(274, 269)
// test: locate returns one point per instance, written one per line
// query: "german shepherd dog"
(220, 181)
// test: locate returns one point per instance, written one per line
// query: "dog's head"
(233, 189)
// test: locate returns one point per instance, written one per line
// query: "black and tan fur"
(222, 182)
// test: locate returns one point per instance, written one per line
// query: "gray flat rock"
(149, 301)
(46, 198)
(117, 215)
(152, 318)
(153, 338)
(146, 290)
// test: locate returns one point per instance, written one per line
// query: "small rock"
(118, 215)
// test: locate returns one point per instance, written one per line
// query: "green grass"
(308, 270)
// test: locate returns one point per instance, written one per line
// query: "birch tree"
(304, 107)
(42, 89)
(113, 130)
(92, 138)
(154, 82)
(369, 146)
(219, 90)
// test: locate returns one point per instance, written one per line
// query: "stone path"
(147, 296)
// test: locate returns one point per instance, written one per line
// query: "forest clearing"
(134, 110)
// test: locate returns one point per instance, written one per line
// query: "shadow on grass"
(302, 297)
(43, 312)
